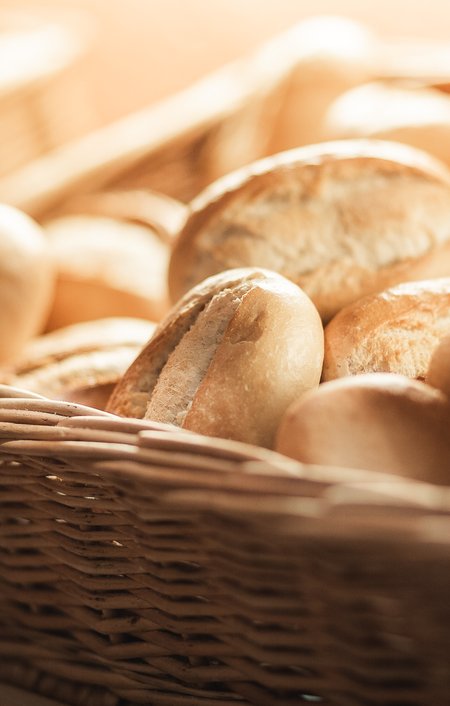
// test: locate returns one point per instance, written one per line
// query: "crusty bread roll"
(328, 55)
(82, 362)
(415, 116)
(26, 281)
(340, 219)
(438, 374)
(395, 331)
(106, 267)
(377, 422)
(228, 359)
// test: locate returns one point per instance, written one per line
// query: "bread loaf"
(394, 331)
(378, 422)
(26, 281)
(340, 219)
(106, 267)
(228, 359)
(327, 55)
(414, 116)
(83, 362)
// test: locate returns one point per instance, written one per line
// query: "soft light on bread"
(415, 116)
(26, 281)
(106, 267)
(340, 219)
(228, 359)
(438, 374)
(377, 422)
(82, 362)
(394, 331)
(327, 54)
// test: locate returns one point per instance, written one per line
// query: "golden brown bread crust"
(83, 362)
(340, 219)
(106, 267)
(438, 374)
(378, 422)
(228, 359)
(394, 331)
(26, 281)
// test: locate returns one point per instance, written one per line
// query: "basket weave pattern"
(142, 565)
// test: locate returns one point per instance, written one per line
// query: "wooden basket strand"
(144, 565)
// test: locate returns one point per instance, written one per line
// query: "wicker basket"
(141, 565)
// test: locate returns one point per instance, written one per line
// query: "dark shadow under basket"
(140, 565)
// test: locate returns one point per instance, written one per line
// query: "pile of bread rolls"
(301, 303)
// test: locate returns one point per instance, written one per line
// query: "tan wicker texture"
(141, 565)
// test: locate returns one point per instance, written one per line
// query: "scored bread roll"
(228, 359)
(82, 362)
(438, 374)
(26, 281)
(378, 422)
(340, 219)
(106, 267)
(394, 331)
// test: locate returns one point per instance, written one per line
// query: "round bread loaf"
(395, 331)
(106, 267)
(438, 374)
(415, 116)
(26, 281)
(228, 359)
(340, 219)
(377, 422)
(82, 362)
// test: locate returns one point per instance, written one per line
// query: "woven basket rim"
(231, 477)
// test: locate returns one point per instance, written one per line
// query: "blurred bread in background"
(26, 281)
(416, 116)
(44, 98)
(83, 362)
(332, 54)
(154, 49)
(106, 267)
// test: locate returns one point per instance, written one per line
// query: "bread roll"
(340, 219)
(106, 267)
(228, 359)
(83, 362)
(377, 422)
(26, 281)
(438, 374)
(395, 331)
(415, 116)
(159, 212)
(327, 55)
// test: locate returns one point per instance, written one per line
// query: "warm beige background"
(145, 49)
